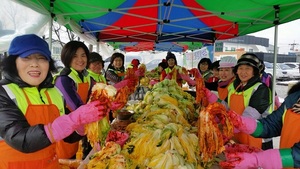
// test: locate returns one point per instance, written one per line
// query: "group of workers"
(42, 116)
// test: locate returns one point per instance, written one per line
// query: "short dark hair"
(69, 51)
(113, 57)
(203, 60)
(215, 65)
(9, 67)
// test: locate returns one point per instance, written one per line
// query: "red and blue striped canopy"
(167, 20)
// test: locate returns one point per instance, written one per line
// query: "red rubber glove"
(65, 125)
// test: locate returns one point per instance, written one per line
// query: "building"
(258, 45)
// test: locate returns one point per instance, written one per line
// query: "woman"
(204, 66)
(115, 71)
(95, 67)
(175, 72)
(226, 75)
(32, 110)
(75, 85)
(247, 96)
(283, 122)
(156, 73)
(212, 82)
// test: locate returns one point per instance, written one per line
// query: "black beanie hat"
(171, 55)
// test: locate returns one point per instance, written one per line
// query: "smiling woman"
(248, 97)
(32, 110)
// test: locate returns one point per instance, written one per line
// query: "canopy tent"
(153, 46)
(167, 21)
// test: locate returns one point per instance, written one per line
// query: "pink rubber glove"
(117, 105)
(243, 124)
(153, 82)
(211, 97)
(188, 79)
(139, 73)
(277, 102)
(269, 159)
(169, 76)
(123, 83)
(65, 125)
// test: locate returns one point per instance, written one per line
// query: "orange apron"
(237, 105)
(42, 159)
(290, 130)
(223, 92)
(68, 150)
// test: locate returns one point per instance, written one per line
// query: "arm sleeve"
(260, 99)
(112, 77)
(272, 124)
(68, 89)
(15, 130)
(163, 75)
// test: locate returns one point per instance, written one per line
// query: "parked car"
(280, 74)
(292, 72)
(294, 65)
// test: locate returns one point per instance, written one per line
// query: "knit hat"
(170, 56)
(94, 56)
(26, 45)
(227, 61)
(249, 59)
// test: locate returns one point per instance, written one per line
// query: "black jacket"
(260, 99)
(14, 128)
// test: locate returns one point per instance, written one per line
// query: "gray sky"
(288, 33)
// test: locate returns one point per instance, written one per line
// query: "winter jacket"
(272, 125)
(260, 99)
(14, 128)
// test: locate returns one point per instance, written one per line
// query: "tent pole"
(276, 23)
(51, 24)
(192, 59)
(274, 65)
(50, 34)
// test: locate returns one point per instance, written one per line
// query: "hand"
(123, 83)
(188, 79)
(265, 159)
(153, 82)
(243, 124)
(139, 73)
(296, 107)
(195, 72)
(211, 97)
(65, 125)
(169, 76)
(117, 105)
(91, 112)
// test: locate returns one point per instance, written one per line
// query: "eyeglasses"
(204, 63)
